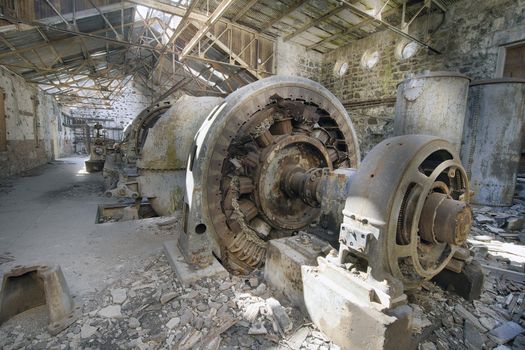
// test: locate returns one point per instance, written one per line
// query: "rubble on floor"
(150, 309)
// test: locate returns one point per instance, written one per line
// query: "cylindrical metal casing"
(164, 156)
(492, 139)
(433, 103)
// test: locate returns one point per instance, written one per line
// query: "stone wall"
(469, 37)
(295, 60)
(124, 108)
(30, 142)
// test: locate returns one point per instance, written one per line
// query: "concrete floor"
(48, 216)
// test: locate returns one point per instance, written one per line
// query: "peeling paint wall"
(469, 37)
(33, 126)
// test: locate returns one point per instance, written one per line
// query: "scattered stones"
(257, 329)
(472, 337)
(166, 298)
(112, 311)
(118, 295)
(174, 322)
(254, 282)
(277, 311)
(427, 346)
(506, 332)
(260, 289)
(133, 323)
(87, 331)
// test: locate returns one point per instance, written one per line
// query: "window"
(340, 68)
(406, 49)
(369, 59)
(515, 62)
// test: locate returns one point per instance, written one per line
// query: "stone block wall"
(30, 142)
(469, 36)
(295, 60)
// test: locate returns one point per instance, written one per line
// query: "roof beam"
(214, 17)
(117, 34)
(77, 33)
(245, 9)
(394, 29)
(314, 22)
(194, 15)
(294, 6)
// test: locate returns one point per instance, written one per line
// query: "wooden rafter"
(214, 17)
(294, 6)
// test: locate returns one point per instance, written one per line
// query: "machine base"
(342, 308)
(188, 273)
(93, 166)
(284, 258)
(467, 284)
(26, 287)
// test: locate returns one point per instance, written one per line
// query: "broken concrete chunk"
(166, 298)
(506, 332)
(118, 295)
(87, 331)
(298, 338)
(260, 289)
(112, 311)
(133, 323)
(279, 314)
(254, 282)
(174, 322)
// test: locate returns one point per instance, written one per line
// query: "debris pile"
(150, 309)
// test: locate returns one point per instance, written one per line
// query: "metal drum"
(433, 103)
(492, 140)
(164, 155)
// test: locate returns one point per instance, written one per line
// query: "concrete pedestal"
(188, 273)
(284, 258)
(343, 307)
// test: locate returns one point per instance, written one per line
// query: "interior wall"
(124, 108)
(294, 60)
(33, 130)
(470, 38)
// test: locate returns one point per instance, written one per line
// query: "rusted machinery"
(281, 156)
(154, 154)
(98, 149)
(120, 166)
